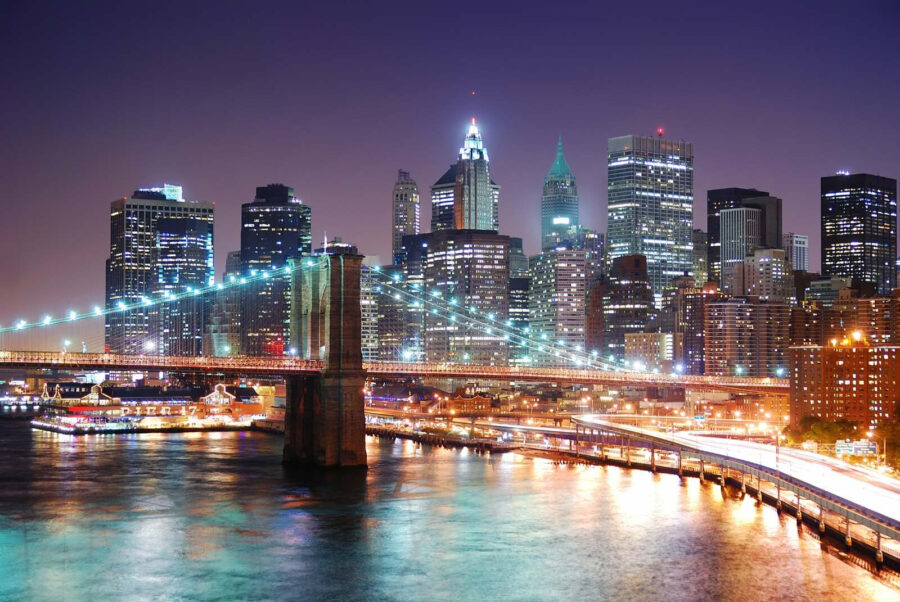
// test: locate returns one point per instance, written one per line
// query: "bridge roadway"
(863, 496)
(245, 366)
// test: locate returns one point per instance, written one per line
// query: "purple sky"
(221, 97)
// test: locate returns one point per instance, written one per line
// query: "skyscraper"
(728, 198)
(559, 200)
(182, 260)
(275, 227)
(519, 292)
(405, 211)
(468, 269)
(859, 228)
(767, 274)
(557, 301)
(797, 248)
(466, 197)
(626, 304)
(131, 274)
(741, 229)
(747, 337)
(651, 200)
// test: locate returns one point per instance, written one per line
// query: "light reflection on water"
(216, 517)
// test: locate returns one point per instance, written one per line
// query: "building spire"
(560, 168)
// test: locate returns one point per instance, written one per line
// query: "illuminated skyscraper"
(466, 197)
(651, 200)
(468, 269)
(275, 227)
(741, 229)
(559, 201)
(182, 260)
(701, 257)
(405, 211)
(859, 228)
(558, 297)
(131, 274)
(728, 198)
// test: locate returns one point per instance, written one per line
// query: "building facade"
(845, 379)
(729, 198)
(468, 269)
(746, 337)
(131, 273)
(797, 248)
(275, 227)
(859, 228)
(651, 201)
(405, 212)
(559, 200)
(766, 274)
(741, 229)
(624, 303)
(557, 302)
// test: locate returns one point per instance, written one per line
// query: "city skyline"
(520, 131)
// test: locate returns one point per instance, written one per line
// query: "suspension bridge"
(324, 357)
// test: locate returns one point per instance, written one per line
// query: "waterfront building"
(131, 274)
(559, 201)
(746, 337)
(466, 197)
(650, 200)
(729, 198)
(847, 378)
(405, 212)
(275, 227)
(859, 228)
(557, 299)
(701, 257)
(468, 269)
(797, 248)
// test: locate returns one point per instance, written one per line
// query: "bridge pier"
(821, 518)
(758, 490)
(702, 470)
(325, 424)
(879, 555)
(847, 539)
(680, 473)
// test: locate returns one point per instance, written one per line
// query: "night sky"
(332, 99)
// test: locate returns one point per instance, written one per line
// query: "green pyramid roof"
(559, 169)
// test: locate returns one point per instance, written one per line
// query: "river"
(214, 516)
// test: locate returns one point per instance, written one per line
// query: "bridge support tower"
(325, 418)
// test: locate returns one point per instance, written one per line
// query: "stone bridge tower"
(324, 419)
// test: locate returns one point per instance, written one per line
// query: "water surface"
(214, 516)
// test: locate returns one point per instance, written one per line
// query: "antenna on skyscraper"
(660, 131)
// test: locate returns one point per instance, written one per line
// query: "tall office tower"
(797, 248)
(557, 301)
(747, 337)
(820, 375)
(130, 269)
(701, 257)
(183, 261)
(368, 301)
(275, 227)
(765, 274)
(741, 231)
(690, 323)
(729, 198)
(406, 211)
(468, 269)
(222, 336)
(519, 291)
(559, 200)
(466, 197)
(626, 303)
(651, 203)
(859, 228)
(582, 239)
(518, 261)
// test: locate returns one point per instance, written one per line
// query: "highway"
(866, 488)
